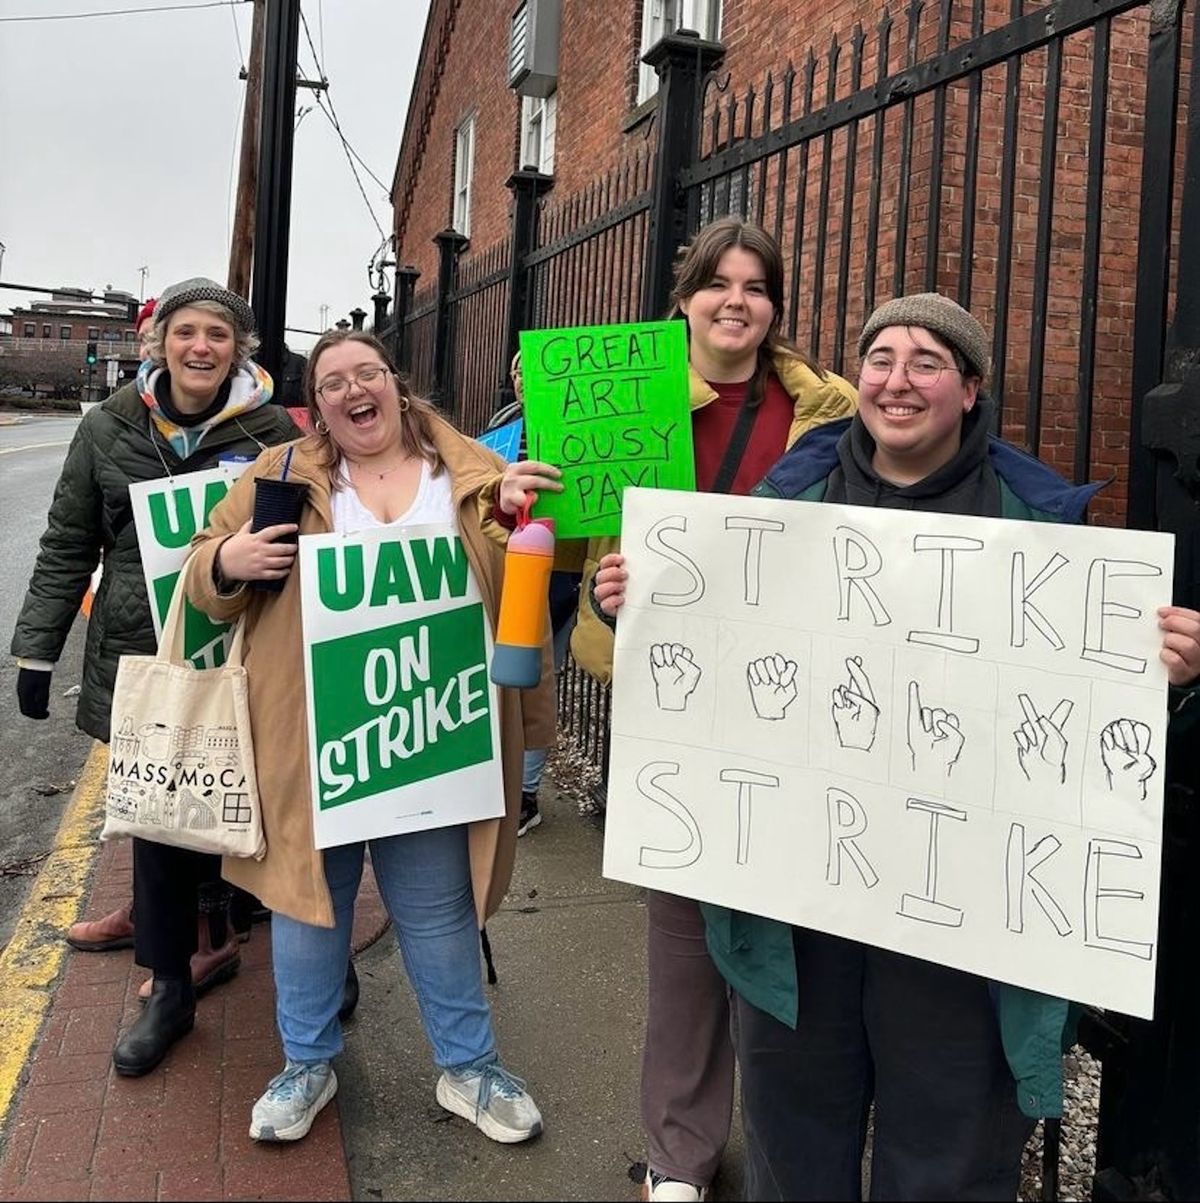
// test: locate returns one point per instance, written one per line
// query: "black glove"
(33, 692)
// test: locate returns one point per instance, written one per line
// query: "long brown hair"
(416, 422)
(695, 266)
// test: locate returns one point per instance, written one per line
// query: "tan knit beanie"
(941, 316)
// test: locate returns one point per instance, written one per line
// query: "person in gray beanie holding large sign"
(956, 1068)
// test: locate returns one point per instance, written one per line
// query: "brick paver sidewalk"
(79, 1131)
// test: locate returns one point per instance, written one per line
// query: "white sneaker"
(668, 1190)
(493, 1100)
(293, 1099)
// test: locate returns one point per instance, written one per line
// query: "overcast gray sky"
(119, 136)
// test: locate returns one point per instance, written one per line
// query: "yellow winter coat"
(816, 401)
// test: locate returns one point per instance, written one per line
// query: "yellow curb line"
(30, 965)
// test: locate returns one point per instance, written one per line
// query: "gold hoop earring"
(403, 404)
(321, 426)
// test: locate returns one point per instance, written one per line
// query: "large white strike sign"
(935, 734)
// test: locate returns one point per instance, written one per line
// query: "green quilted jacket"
(91, 516)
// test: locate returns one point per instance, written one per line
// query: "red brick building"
(46, 340)
(72, 316)
(1017, 186)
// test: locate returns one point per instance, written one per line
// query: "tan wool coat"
(291, 878)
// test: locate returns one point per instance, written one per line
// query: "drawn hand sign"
(676, 674)
(772, 685)
(855, 711)
(1041, 747)
(934, 737)
(1125, 750)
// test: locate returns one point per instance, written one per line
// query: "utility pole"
(273, 210)
(143, 272)
(241, 248)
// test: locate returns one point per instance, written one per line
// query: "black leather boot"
(169, 1014)
(349, 993)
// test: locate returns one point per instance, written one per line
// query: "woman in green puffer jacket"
(198, 396)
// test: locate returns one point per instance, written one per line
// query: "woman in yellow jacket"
(753, 393)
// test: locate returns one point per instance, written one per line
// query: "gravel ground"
(1077, 1152)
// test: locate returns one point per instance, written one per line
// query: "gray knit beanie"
(198, 288)
(937, 314)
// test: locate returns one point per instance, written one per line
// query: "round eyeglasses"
(921, 370)
(336, 387)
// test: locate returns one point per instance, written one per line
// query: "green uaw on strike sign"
(403, 723)
(166, 514)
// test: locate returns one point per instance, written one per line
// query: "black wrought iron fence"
(478, 307)
(998, 154)
(587, 265)
(416, 358)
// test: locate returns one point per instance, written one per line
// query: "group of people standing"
(825, 1030)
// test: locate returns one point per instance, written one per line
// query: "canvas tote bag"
(181, 762)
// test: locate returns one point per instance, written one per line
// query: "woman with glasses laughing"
(378, 457)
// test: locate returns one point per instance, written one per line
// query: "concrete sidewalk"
(569, 1007)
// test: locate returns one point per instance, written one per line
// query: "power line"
(237, 33)
(353, 169)
(124, 12)
(338, 128)
(331, 114)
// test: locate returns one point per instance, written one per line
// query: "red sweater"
(712, 427)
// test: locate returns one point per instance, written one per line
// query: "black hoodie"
(966, 485)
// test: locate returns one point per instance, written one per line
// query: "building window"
(538, 121)
(93, 332)
(464, 169)
(661, 17)
(64, 333)
(47, 330)
(130, 336)
(30, 330)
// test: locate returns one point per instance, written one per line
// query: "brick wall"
(802, 196)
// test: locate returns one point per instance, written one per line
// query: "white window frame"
(539, 126)
(464, 171)
(661, 17)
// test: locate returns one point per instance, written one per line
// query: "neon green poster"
(609, 406)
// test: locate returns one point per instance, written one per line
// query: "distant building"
(72, 316)
(45, 341)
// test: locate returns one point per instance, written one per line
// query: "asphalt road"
(39, 761)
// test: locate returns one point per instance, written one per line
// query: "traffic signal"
(91, 354)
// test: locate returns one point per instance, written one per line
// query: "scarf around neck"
(250, 388)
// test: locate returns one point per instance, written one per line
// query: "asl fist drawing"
(772, 685)
(855, 711)
(675, 674)
(1041, 746)
(1125, 750)
(935, 740)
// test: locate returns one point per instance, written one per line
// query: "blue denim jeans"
(532, 768)
(425, 882)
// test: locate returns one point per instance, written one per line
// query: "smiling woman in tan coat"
(378, 457)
